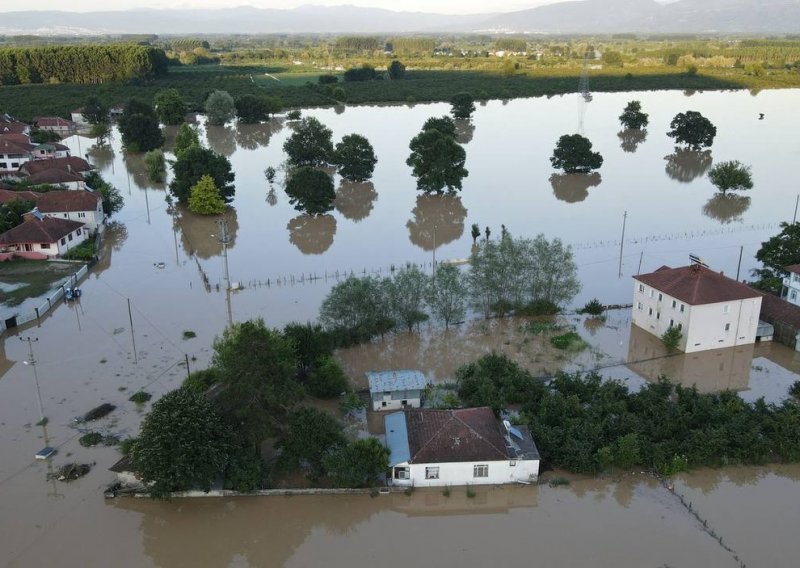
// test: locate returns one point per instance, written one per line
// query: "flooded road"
(287, 262)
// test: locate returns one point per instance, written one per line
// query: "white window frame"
(639, 306)
(726, 309)
(641, 288)
(432, 472)
(480, 470)
(402, 472)
(727, 327)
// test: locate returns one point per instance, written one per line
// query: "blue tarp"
(397, 438)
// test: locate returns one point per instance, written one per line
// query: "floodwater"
(287, 262)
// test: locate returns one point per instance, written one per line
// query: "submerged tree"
(185, 137)
(632, 118)
(310, 190)
(443, 124)
(437, 161)
(310, 144)
(447, 294)
(407, 296)
(463, 105)
(195, 162)
(170, 107)
(358, 306)
(693, 129)
(220, 107)
(139, 127)
(355, 158)
(776, 254)
(732, 175)
(573, 153)
(156, 165)
(205, 198)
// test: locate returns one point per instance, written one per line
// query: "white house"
(393, 390)
(82, 206)
(45, 235)
(15, 151)
(56, 124)
(464, 446)
(711, 310)
(78, 118)
(791, 285)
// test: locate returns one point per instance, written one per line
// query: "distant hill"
(683, 16)
(578, 16)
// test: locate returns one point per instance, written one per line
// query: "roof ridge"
(436, 435)
(504, 454)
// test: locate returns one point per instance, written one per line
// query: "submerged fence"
(48, 304)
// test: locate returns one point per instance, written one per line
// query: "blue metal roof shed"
(397, 438)
(390, 381)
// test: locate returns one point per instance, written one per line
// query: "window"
(727, 327)
(401, 473)
(78, 232)
(639, 306)
(81, 214)
(44, 245)
(674, 303)
(431, 473)
(660, 297)
(658, 315)
(512, 463)
(70, 236)
(383, 404)
(726, 309)
(63, 241)
(651, 292)
(680, 326)
(793, 295)
(480, 470)
(641, 288)
(403, 403)
(650, 312)
(671, 322)
(682, 308)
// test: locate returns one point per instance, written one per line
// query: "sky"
(434, 6)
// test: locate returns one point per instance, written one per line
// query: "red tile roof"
(7, 195)
(696, 285)
(76, 164)
(778, 310)
(53, 121)
(793, 268)
(48, 230)
(67, 201)
(462, 435)
(9, 125)
(54, 176)
(14, 146)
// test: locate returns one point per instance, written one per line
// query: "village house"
(82, 206)
(78, 118)
(393, 390)
(60, 126)
(10, 125)
(15, 151)
(464, 446)
(50, 151)
(57, 177)
(69, 164)
(711, 310)
(791, 285)
(8, 195)
(48, 236)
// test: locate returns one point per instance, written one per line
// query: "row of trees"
(80, 63)
(259, 379)
(505, 276)
(588, 424)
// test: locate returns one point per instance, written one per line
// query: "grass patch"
(446, 491)
(85, 251)
(470, 492)
(569, 341)
(140, 397)
(540, 327)
(23, 279)
(188, 334)
(408, 491)
(558, 482)
(90, 439)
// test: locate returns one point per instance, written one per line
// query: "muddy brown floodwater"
(287, 263)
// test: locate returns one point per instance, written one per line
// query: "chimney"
(69, 168)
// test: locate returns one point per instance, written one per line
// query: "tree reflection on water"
(355, 200)
(438, 220)
(199, 233)
(312, 234)
(221, 139)
(726, 208)
(573, 188)
(631, 138)
(252, 136)
(685, 165)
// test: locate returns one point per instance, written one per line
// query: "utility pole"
(32, 362)
(223, 223)
(434, 254)
(147, 204)
(741, 250)
(641, 257)
(188, 373)
(622, 241)
(796, 203)
(133, 337)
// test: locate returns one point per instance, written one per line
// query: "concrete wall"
(462, 473)
(92, 219)
(703, 327)
(791, 290)
(58, 248)
(394, 400)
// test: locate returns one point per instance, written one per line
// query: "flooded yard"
(287, 262)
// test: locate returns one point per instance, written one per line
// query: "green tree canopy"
(12, 211)
(357, 464)
(359, 307)
(112, 198)
(447, 294)
(443, 124)
(495, 381)
(257, 368)
(183, 444)
(185, 137)
(205, 198)
(573, 153)
(396, 70)
(327, 378)
(94, 110)
(195, 162)
(732, 175)
(632, 118)
(463, 105)
(693, 129)
(251, 109)
(776, 254)
(170, 107)
(310, 342)
(156, 165)
(437, 162)
(220, 107)
(310, 435)
(310, 144)
(355, 158)
(310, 190)
(139, 127)
(407, 296)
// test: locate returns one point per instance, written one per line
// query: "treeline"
(509, 44)
(188, 44)
(80, 64)
(357, 43)
(410, 45)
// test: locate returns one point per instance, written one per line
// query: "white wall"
(394, 400)
(57, 248)
(6, 161)
(461, 473)
(703, 326)
(791, 293)
(91, 219)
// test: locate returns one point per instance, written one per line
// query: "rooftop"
(460, 435)
(73, 163)
(697, 285)
(793, 268)
(59, 201)
(390, 381)
(54, 176)
(47, 230)
(7, 195)
(53, 121)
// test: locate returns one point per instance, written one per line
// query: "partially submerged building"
(42, 237)
(393, 390)
(711, 310)
(464, 446)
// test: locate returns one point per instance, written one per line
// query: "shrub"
(794, 390)
(126, 445)
(293, 115)
(201, 381)
(90, 439)
(539, 308)
(328, 79)
(140, 397)
(593, 307)
(569, 341)
(327, 379)
(351, 402)
(672, 338)
(558, 481)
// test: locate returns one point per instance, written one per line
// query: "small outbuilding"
(394, 390)
(465, 446)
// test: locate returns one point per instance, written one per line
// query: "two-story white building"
(15, 151)
(791, 285)
(711, 310)
(464, 446)
(395, 390)
(82, 206)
